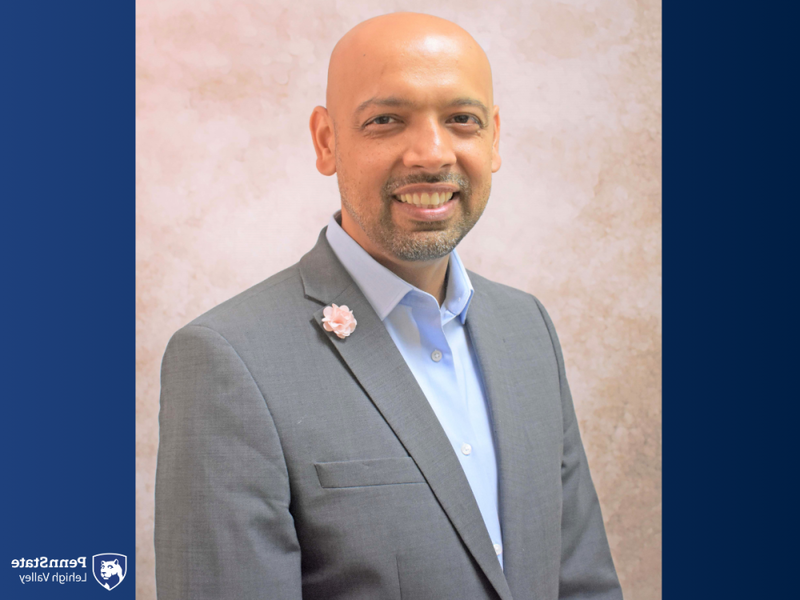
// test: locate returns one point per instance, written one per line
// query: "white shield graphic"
(109, 569)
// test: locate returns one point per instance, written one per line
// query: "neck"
(426, 275)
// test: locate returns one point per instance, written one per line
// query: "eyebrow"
(395, 102)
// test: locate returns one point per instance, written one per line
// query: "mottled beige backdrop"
(227, 194)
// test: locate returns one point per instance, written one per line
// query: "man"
(375, 421)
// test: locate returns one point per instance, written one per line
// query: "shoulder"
(514, 305)
(275, 292)
(502, 296)
(517, 312)
(271, 308)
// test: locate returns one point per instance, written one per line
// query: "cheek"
(474, 153)
(366, 164)
(477, 167)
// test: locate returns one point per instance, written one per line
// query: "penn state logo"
(109, 569)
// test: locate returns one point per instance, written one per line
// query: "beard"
(430, 240)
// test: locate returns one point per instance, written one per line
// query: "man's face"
(415, 148)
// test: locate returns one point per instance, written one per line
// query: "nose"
(430, 147)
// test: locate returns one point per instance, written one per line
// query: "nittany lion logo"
(109, 569)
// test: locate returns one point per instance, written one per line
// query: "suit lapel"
(373, 358)
(507, 377)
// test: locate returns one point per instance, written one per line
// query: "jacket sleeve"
(223, 528)
(587, 569)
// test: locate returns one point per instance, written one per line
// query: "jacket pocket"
(375, 471)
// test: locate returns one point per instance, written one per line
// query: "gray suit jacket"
(294, 464)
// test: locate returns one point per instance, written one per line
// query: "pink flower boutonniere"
(339, 320)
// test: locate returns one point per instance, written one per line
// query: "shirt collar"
(383, 289)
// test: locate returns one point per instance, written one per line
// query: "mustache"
(398, 182)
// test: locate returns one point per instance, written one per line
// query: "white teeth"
(431, 200)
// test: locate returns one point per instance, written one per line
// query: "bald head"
(408, 42)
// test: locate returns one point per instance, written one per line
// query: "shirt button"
(498, 549)
(436, 356)
(466, 449)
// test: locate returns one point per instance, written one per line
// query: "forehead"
(430, 68)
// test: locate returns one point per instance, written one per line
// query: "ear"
(321, 126)
(496, 161)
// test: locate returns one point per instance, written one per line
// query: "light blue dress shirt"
(434, 343)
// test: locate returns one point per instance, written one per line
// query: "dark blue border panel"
(67, 206)
(730, 112)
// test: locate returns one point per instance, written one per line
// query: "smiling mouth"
(427, 200)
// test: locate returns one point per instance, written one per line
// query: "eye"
(381, 120)
(467, 120)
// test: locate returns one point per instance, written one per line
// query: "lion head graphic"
(109, 568)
